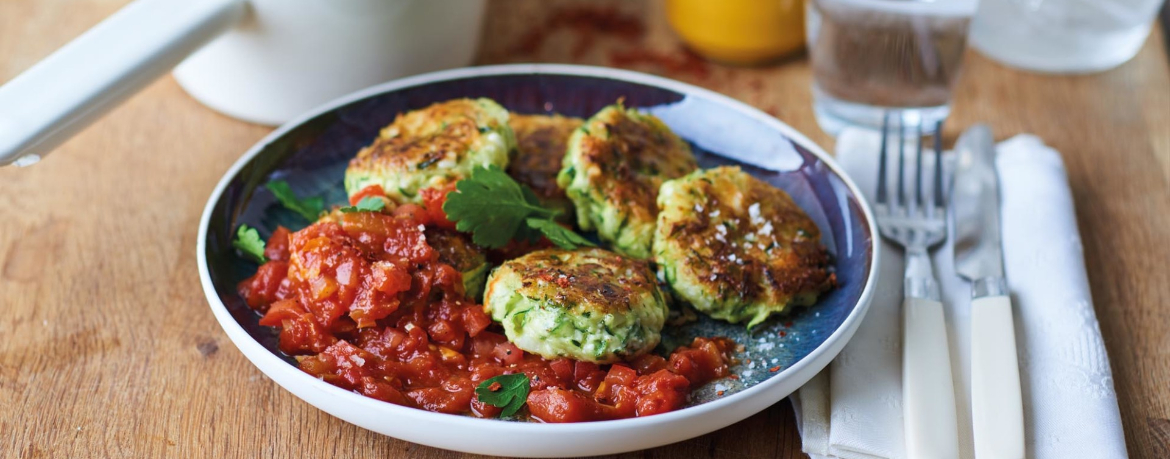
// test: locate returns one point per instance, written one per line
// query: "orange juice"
(739, 31)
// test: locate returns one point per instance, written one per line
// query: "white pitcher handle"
(48, 103)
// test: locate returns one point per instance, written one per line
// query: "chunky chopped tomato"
(433, 200)
(372, 190)
(268, 285)
(363, 303)
(277, 246)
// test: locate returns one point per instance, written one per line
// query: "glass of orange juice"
(744, 32)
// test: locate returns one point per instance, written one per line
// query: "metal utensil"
(996, 405)
(918, 223)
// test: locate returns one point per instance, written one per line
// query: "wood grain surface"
(108, 349)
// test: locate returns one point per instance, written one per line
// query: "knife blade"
(997, 415)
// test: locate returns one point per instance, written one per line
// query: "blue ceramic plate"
(311, 153)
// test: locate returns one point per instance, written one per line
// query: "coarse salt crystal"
(358, 360)
(698, 208)
(720, 387)
(767, 346)
(754, 211)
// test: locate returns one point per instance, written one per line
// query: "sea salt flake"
(357, 360)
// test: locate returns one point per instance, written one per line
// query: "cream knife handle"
(928, 393)
(997, 410)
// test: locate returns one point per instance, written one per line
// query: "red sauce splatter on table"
(588, 22)
(681, 61)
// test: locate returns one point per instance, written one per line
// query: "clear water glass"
(1063, 36)
(873, 57)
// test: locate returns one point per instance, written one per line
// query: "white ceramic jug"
(263, 61)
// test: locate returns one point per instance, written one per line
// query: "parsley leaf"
(310, 208)
(248, 242)
(496, 209)
(367, 204)
(559, 235)
(509, 392)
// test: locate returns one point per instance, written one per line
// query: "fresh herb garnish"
(367, 204)
(496, 209)
(248, 242)
(509, 392)
(310, 208)
(559, 235)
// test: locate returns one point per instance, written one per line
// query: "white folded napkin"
(853, 410)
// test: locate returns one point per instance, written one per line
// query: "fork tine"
(919, 202)
(901, 161)
(939, 202)
(881, 185)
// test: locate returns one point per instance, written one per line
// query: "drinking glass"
(873, 57)
(1063, 36)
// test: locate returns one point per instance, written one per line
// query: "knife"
(997, 414)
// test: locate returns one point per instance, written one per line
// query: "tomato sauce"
(363, 302)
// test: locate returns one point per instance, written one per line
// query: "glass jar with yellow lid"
(739, 31)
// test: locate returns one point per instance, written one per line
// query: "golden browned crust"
(632, 159)
(741, 244)
(592, 280)
(419, 140)
(541, 142)
(455, 249)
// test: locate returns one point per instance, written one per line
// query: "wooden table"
(107, 347)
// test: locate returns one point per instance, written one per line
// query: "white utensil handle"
(928, 392)
(997, 409)
(58, 96)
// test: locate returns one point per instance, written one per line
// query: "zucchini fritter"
(612, 170)
(586, 304)
(433, 146)
(541, 141)
(737, 248)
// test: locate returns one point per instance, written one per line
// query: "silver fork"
(918, 224)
